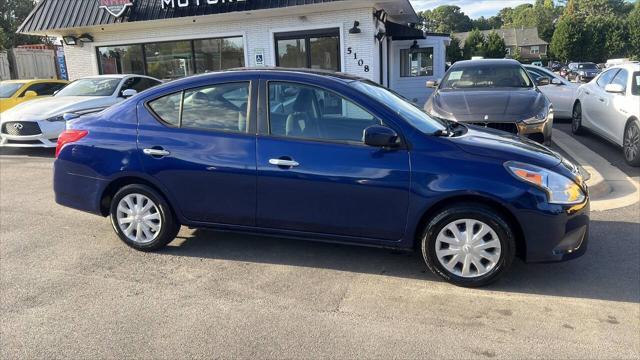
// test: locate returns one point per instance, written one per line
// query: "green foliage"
(482, 23)
(633, 25)
(2, 39)
(495, 46)
(12, 14)
(475, 44)
(454, 51)
(569, 39)
(445, 19)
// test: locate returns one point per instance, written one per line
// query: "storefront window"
(418, 62)
(121, 59)
(317, 49)
(218, 54)
(172, 60)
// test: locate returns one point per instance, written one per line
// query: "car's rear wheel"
(631, 144)
(576, 119)
(468, 245)
(142, 218)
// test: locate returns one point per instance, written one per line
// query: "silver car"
(559, 91)
(38, 123)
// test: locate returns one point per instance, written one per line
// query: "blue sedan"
(325, 157)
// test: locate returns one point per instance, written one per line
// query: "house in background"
(526, 40)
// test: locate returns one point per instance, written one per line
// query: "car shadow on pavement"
(30, 152)
(610, 269)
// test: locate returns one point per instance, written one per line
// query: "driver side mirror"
(380, 136)
(614, 88)
(543, 80)
(30, 94)
(432, 84)
(128, 93)
(556, 81)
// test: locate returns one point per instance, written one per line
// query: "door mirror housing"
(380, 136)
(30, 94)
(614, 88)
(128, 93)
(556, 81)
(542, 81)
(432, 84)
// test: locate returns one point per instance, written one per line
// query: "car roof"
(632, 66)
(487, 62)
(27, 81)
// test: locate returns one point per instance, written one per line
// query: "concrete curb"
(609, 187)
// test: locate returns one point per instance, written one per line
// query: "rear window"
(8, 89)
(587, 66)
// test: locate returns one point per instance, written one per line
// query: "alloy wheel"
(139, 218)
(631, 142)
(576, 118)
(468, 248)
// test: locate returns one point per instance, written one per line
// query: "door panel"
(210, 174)
(341, 189)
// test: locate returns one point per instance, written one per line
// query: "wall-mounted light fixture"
(380, 35)
(355, 29)
(415, 46)
(70, 40)
(85, 38)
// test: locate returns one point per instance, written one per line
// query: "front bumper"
(46, 138)
(555, 232)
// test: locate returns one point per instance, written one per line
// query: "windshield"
(478, 76)
(411, 113)
(587, 66)
(635, 83)
(8, 89)
(91, 87)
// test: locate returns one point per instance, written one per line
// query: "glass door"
(314, 49)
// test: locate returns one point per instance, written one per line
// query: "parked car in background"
(496, 93)
(537, 63)
(582, 72)
(555, 66)
(39, 122)
(564, 71)
(561, 92)
(321, 156)
(610, 108)
(14, 92)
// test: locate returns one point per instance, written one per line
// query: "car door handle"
(601, 99)
(284, 163)
(156, 152)
(586, 92)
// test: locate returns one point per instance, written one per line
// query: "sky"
(473, 8)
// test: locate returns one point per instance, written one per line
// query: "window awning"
(403, 32)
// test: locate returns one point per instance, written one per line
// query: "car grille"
(508, 127)
(24, 128)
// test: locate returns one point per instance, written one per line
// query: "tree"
(569, 39)
(12, 14)
(495, 46)
(474, 45)
(633, 24)
(445, 19)
(2, 39)
(454, 51)
(482, 23)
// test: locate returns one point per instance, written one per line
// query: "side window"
(535, 75)
(167, 108)
(606, 77)
(621, 79)
(143, 84)
(302, 111)
(44, 89)
(219, 107)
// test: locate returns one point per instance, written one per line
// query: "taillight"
(69, 136)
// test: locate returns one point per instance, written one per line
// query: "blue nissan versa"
(321, 156)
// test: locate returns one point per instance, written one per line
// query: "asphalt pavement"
(70, 289)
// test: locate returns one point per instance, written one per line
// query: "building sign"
(259, 57)
(115, 7)
(187, 3)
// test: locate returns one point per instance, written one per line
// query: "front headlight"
(540, 117)
(55, 118)
(559, 189)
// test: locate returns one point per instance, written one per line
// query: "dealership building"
(169, 39)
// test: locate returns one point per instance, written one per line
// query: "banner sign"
(115, 7)
(186, 3)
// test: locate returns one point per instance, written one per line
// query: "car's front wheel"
(142, 218)
(468, 245)
(576, 119)
(631, 144)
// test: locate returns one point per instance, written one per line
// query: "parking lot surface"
(70, 289)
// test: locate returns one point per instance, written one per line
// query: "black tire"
(576, 119)
(631, 143)
(169, 225)
(478, 212)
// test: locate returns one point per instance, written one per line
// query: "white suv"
(609, 106)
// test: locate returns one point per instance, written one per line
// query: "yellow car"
(14, 92)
